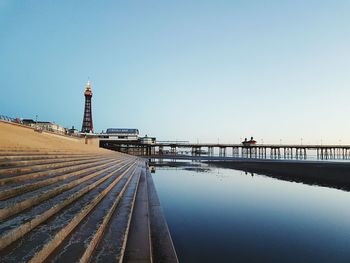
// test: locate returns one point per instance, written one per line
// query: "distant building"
(126, 140)
(28, 122)
(148, 140)
(45, 125)
(73, 131)
(122, 134)
(250, 142)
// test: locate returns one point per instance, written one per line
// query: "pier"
(257, 151)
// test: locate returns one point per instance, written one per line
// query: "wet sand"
(329, 174)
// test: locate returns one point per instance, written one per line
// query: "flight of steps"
(68, 206)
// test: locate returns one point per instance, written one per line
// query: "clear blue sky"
(182, 69)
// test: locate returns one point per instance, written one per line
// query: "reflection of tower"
(87, 121)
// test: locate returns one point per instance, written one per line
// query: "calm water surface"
(224, 215)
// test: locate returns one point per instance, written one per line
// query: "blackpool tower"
(87, 120)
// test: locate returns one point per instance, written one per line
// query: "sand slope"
(18, 136)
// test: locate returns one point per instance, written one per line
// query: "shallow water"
(225, 215)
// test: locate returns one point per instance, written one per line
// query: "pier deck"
(261, 151)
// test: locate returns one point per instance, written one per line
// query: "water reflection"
(224, 215)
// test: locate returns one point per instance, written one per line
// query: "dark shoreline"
(329, 174)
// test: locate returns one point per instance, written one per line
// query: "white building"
(45, 126)
(121, 134)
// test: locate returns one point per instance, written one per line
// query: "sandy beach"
(323, 173)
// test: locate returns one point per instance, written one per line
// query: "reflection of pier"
(260, 151)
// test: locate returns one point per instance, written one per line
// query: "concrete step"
(70, 227)
(11, 190)
(64, 206)
(24, 149)
(111, 247)
(81, 243)
(28, 153)
(19, 203)
(79, 202)
(18, 170)
(29, 215)
(138, 247)
(6, 179)
(31, 162)
(13, 158)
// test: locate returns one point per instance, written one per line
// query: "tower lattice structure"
(87, 126)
